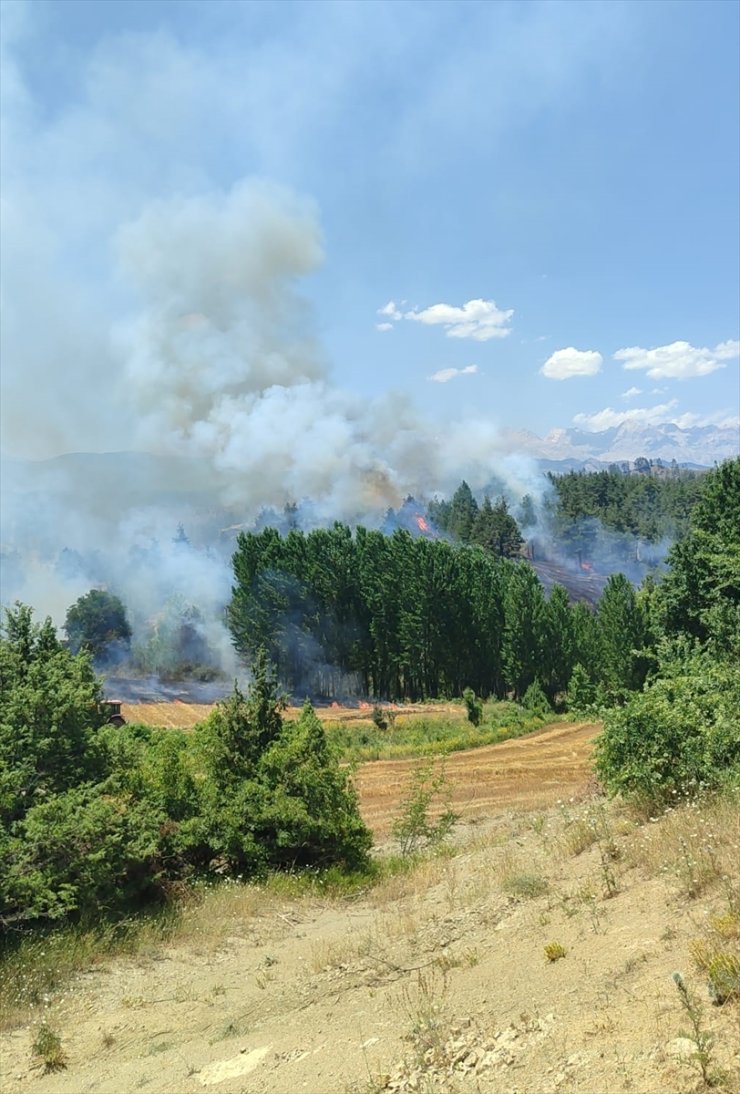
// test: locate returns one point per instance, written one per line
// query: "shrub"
(474, 707)
(379, 719)
(78, 853)
(536, 701)
(554, 951)
(679, 735)
(414, 828)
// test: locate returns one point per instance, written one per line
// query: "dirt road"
(526, 773)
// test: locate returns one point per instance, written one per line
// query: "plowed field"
(526, 773)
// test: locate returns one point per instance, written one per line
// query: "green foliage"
(431, 736)
(651, 507)
(239, 729)
(678, 736)
(581, 691)
(95, 622)
(80, 852)
(700, 595)
(473, 706)
(276, 795)
(414, 828)
(49, 714)
(536, 701)
(525, 614)
(313, 814)
(621, 636)
(395, 616)
(495, 529)
(98, 820)
(47, 1044)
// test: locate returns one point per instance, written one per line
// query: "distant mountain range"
(107, 485)
(700, 446)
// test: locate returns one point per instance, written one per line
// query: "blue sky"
(543, 198)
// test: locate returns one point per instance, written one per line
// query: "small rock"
(682, 1047)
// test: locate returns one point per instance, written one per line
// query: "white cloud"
(391, 311)
(478, 319)
(631, 392)
(719, 418)
(679, 360)
(384, 326)
(566, 363)
(446, 374)
(609, 418)
(727, 351)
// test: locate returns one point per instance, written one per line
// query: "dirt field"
(528, 773)
(434, 981)
(180, 715)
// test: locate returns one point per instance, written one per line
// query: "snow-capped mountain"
(700, 446)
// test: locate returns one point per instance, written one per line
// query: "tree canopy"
(95, 622)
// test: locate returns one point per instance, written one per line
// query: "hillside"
(436, 979)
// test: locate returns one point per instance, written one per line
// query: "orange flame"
(423, 526)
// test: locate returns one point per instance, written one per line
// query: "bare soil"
(527, 773)
(435, 980)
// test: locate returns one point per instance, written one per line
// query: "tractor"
(112, 707)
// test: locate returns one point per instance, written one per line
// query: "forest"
(416, 618)
(97, 820)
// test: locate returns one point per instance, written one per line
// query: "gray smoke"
(223, 405)
(222, 363)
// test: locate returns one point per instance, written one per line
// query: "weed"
(722, 969)
(229, 1030)
(468, 958)
(524, 885)
(429, 1030)
(160, 1046)
(701, 1038)
(726, 926)
(107, 1038)
(611, 888)
(413, 828)
(554, 951)
(48, 1045)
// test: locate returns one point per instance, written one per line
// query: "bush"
(379, 719)
(79, 853)
(474, 707)
(681, 734)
(414, 829)
(97, 820)
(536, 701)
(276, 794)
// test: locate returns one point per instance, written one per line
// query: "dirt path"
(528, 773)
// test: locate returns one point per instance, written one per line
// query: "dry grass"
(517, 879)
(181, 715)
(698, 844)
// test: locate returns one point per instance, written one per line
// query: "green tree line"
(415, 618)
